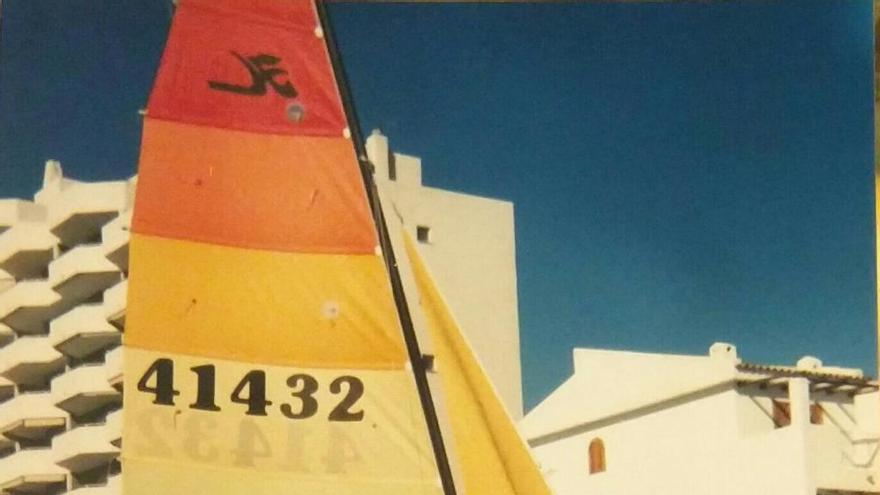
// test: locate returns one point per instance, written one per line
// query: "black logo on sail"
(263, 73)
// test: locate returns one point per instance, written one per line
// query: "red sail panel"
(277, 77)
(260, 191)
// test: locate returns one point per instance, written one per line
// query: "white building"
(629, 422)
(63, 269)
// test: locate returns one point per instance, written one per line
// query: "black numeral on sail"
(342, 412)
(204, 388)
(255, 381)
(304, 387)
(158, 380)
(163, 370)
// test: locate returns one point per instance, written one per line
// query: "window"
(817, 415)
(597, 456)
(781, 413)
(423, 234)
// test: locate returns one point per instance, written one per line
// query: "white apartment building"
(629, 422)
(63, 270)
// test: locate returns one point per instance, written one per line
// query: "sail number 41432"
(251, 392)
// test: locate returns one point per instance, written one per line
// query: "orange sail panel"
(244, 189)
(263, 350)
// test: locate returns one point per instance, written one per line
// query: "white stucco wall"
(675, 424)
(471, 254)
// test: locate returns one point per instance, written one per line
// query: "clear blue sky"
(682, 173)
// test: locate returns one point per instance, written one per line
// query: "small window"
(597, 456)
(817, 415)
(781, 413)
(423, 234)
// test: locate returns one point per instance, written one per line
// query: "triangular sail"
(491, 456)
(263, 351)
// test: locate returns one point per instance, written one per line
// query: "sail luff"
(492, 456)
(413, 350)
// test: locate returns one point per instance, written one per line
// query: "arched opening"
(597, 456)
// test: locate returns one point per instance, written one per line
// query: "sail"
(491, 456)
(263, 349)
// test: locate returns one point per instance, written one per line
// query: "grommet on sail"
(266, 348)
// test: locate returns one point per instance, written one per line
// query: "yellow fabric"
(315, 310)
(177, 449)
(492, 457)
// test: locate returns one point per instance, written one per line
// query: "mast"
(412, 345)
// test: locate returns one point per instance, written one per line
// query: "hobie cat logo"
(263, 72)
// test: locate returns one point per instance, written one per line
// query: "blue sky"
(682, 173)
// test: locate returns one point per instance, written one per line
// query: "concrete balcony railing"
(85, 390)
(30, 361)
(6, 281)
(32, 471)
(113, 367)
(28, 306)
(115, 299)
(114, 428)
(14, 211)
(26, 249)
(31, 417)
(82, 272)
(84, 447)
(7, 390)
(83, 331)
(114, 237)
(80, 209)
(6, 335)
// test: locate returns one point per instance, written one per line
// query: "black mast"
(412, 344)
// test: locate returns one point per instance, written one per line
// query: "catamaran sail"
(266, 348)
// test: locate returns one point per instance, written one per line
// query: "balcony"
(114, 238)
(31, 418)
(114, 304)
(14, 211)
(28, 306)
(83, 331)
(85, 392)
(26, 249)
(80, 209)
(32, 471)
(83, 448)
(113, 368)
(82, 272)
(30, 361)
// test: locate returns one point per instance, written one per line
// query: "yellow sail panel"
(315, 310)
(219, 426)
(492, 457)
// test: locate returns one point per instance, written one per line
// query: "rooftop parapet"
(76, 211)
